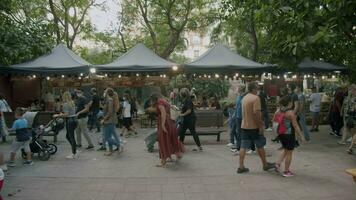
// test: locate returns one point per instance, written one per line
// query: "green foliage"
(22, 38)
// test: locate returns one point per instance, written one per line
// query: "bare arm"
(295, 124)
(296, 106)
(163, 117)
(186, 112)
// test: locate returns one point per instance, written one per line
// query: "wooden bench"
(352, 172)
(41, 118)
(209, 122)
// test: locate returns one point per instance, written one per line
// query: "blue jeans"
(93, 120)
(303, 124)
(265, 118)
(233, 131)
(110, 134)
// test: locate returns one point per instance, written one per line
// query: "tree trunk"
(56, 21)
(254, 37)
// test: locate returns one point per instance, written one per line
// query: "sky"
(103, 19)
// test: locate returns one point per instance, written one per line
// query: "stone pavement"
(209, 175)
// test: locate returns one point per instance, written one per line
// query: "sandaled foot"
(108, 154)
(161, 165)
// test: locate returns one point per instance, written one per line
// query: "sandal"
(163, 164)
(108, 154)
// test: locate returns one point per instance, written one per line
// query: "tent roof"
(137, 59)
(308, 65)
(221, 58)
(59, 60)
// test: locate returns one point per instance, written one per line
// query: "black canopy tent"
(221, 59)
(315, 66)
(60, 60)
(138, 59)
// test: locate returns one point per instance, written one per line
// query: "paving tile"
(173, 196)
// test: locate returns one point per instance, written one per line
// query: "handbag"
(174, 111)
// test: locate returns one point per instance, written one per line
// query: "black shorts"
(288, 141)
(126, 121)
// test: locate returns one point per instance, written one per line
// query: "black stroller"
(41, 146)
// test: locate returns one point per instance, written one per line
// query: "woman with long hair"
(109, 121)
(68, 113)
(166, 131)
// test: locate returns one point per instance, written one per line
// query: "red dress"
(168, 143)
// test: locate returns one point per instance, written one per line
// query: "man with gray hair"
(252, 128)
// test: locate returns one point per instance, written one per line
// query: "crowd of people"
(248, 120)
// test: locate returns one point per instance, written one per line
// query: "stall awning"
(308, 65)
(60, 60)
(219, 58)
(137, 59)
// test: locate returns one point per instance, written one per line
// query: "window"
(196, 53)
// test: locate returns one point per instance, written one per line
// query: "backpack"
(280, 120)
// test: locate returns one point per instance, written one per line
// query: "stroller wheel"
(44, 155)
(52, 149)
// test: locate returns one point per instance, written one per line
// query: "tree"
(23, 35)
(161, 23)
(69, 19)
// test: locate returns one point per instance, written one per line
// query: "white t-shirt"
(315, 101)
(127, 109)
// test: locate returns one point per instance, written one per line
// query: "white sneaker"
(230, 145)
(268, 129)
(234, 150)
(250, 152)
(72, 156)
(4, 167)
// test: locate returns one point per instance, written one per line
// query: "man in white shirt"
(315, 104)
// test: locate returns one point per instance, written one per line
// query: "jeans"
(189, 124)
(336, 122)
(115, 136)
(70, 128)
(151, 139)
(303, 124)
(265, 118)
(93, 120)
(109, 133)
(233, 131)
(82, 128)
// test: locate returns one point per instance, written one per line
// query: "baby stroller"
(41, 146)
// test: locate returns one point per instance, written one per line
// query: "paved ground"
(319, 168)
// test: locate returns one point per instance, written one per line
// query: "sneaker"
(269, 166)
(250, 152)
(11, 164)
(268, 129)
(4, 167)
(102, 149)
(349, 151)
(28, 162)
(200, 148)
(341, 142)
(234, 150)
(89, 147)
(287, 174)
(73, 156)
(332, 133)
(338, 135)
(242, 170)
(229, 145)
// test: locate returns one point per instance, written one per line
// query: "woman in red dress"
(167, 134)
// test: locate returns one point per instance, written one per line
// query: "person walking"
(68, 113)
(336, 121)
(315, 104)
(301, 112)
(82, 109)
(286, 118)
(94, 110)
(4, 107)
(252, 129)
(109, 122)
(127, 116)
(166, 131)
(189, 119)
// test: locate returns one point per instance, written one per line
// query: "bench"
(209, 122)
(352, 172)
(41, 118)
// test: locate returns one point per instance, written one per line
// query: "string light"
(106, 75)
(278, 77)
(92, 70)
(119, 75)
(209, 76)
(160, 75)
(243, 76)
(204, 75)
(225, 76)
(62, 76)
(305, 76)
(294, 76)
(333, 76)
(33, 76)
(285, 76)
(81, 74)
(79, 77)
(47, 78)
(137, 75)
(164, 76)
(323, 77)
(148, 76)
(237, 74)
(217, 76)
(175, 68)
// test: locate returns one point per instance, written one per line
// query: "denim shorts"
(315, 115)
(252, 136)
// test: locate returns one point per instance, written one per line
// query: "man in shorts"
(252, 128)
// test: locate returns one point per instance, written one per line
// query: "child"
(287, 127)
(22, 139)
